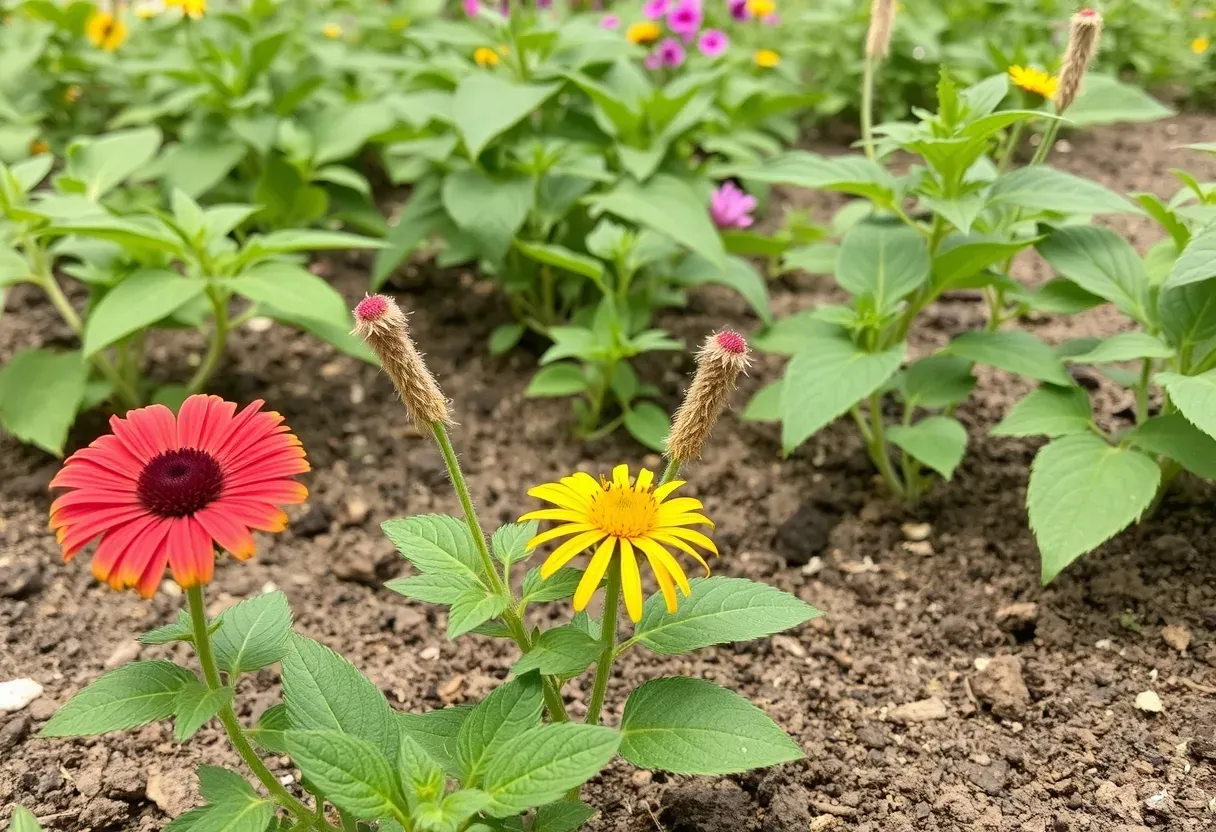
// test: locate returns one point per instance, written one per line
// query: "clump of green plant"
(142, 269)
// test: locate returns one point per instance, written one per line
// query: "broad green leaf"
(1188, 313)
(1057, 297)
(937, 381)
(435, 543)
(13, 268)
(490, 210)
(667, 205)
(938, 441)
(764, 405)
(1100, 261)
(244, 813)
(564, 378)
(1195, 396)
(648, 423)
(562, 651)
(510, 540)
(1197, 262)
(436, 732)
(40, 394)
(739, 275)
(817, 258)
(540, 765)
(1171, 435)
(104, 162)
(253, 633)
(434, 587)
(561, 584)
(270, 728)
(219, 785)
(182, 629)
(1016, 352)
(420, 775)
(325, 692)
(1048, 411)
(827, 377)
(196, 705)
(691, 726)
(563, 816)
(131, 696)
(719, 610)
(1105, 100)
(882, 260)
(303, 239)
(198, 165)
(790, 335)
(23, 820)
(422, 216)
(504, 337)
(563, 258)
(352, 773)
(510, 710)
(1082, 493)
(451, 813)
(846, 174)
(961, 257)
(473, 608)
(1043, 188)
(484, 106)
(1126, 346)
(341, 132)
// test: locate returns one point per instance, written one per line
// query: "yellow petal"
(692, 537)
(556, 514)
(631, 582)
(620, 476)
(679, 505)
(663, 491)
(683, 547)
(560, 496)
(657, 554)
(582, 484)
(594, 574)
(685, 520)
(564, 553)
(665, 584)
(556, 532)
(645, 479)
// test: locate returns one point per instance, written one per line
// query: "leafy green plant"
(141, 270)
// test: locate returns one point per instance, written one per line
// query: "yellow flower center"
(623, 512)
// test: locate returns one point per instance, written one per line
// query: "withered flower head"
(719, 363)
(382, 324)
(1083, 37)
(882, 21)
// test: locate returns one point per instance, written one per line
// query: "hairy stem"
(1048, 139)
(670, 472)
(878, 447)
(1146, 375)
(603, 668)
(867, 107)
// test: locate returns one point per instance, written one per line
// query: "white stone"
(16, 694)
(1149, 702)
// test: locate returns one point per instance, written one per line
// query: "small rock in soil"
(123, 654)
(20, 579)
(1000, 686)
(805, 534)
(641, 778)
(919, 547)
(1019, 618)
(365, 563)
(921, 711)
(43, 709)
(789, 811)
(16, 694)
(312, 523)
(1201, 749)
(1149, 702)
(13, 731)
(357, 510)
(702, 807)
(170, 792)
(790, 645)
(991, 778)
(916, 531)
(1177, 636)
(429, 654)
(872, 735)
(1119, 801)
(103, 813)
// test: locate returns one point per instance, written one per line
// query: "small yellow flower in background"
(1034, 80)
(332, 31)
(148, 9)
(643, 32)
(485, 56)
(632, 515)
(761, 8)
(398, 23)
(72, 94)
(503, 49)
(194, 9)
(105, 31)
(766, 58)
(1200, 45)
(38, 146)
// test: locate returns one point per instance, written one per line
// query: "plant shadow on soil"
(1046, 740)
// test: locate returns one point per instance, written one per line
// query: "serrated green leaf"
(1188, 313)
(561, 584)
(1043, 188)
(242, 815)
(563, 651)
(563, 816)
(352, 773)
(938, 441)
(846, 174)
(1126, 346)
(268, 732)
(1102, 262)
(219, 785)
(180, 630)
(884, 261)
(40, 395)
(961, 257)
(436, 732)
(540, 765)
(253, 633)
(719, 610)
(1195, 396)
(510, 541)
(937, 381)
(1171, 435)
(1082, 493)
(491, 210)
(471, 609)
(510, 710)
(738, 274)
(1048, 411)
(435, 543)
(1197, 262)
(434, 588)
(691, 726)
(131, 696)
(196, 705)
(420, 776)
(1016, 352)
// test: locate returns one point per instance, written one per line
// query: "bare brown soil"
(1046, 738)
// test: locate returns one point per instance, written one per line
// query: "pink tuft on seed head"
(1088, 13)
(732, 342)
(371, 308)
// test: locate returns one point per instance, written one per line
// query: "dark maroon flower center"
(179, 483)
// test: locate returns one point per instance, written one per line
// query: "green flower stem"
(867, 107)
(1146, 375)
(219, 340)
(1011, 146)
(236, 734)
(510, 615)
(670, 472)
(878, 447)
(1049, 138)
(603, 668)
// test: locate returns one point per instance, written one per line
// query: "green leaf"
(560, 584)
(691, 726)
(846, 174)
(131, 696)
(1126, 346)
(485, 106)
(1043, 188)
(253, 633)
(938, 441)
(1082, 493)
(648, 423)
(1102, 262)
(1195, 396)
(270, 727)
(563, 258)
(434, 588)
(882, 260)
(961, 257)
(422, 216)
(219, 785)
(504, 337)
(243, 813)
(23, 820)
(473, 608)
(436, 732)
(420, 775)
(563, 651)
(290, 240)
(182, 629)
(1188, 313)
(718, 611)
(1197, 262)
(561, 379)
(435, 543)
(1048, 411)
(196, 705)
(104, 162)
(490, 210)
(352, 773)
(340, 132)
(326, 692)
(765, 405)
(563, 816)
(667, 205)
(1105, 100)
(1171, 435)
(827, 377)
(1016, 352)
(196, 166)
(739, 275)
(540, 765)
(816, 258)
(13, 268)
(937, 381)
(509, 541)
(510, 710)
(40, 394)
(451, 814)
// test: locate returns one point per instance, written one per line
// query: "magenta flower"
(655, 9)
(654, 61)
(670, 52)
(544, 4)
(713, 43)
(738, 10)
(731, 208)
(773, 19)
(471, 7)
(685, 19)
(610, 21)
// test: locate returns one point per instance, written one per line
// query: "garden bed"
(914, 597)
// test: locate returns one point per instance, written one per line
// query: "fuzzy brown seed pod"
(719, 363)
(382, 324)
(1083, 36)
(882, 21)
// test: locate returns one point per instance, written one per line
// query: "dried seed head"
(1083, 36)
(719, 363)
(381, 323)
(882, 21)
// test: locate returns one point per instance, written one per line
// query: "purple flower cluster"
(730, 207)
(684, 19)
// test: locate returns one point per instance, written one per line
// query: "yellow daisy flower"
(72, 94)
(761, 8)
(38, 146)
(1034, 80)
(485, 56)
(631, 515)
(643, 32)
(105, 31)
(1200, 45)
(194, 9)
(332, 31)
(766, 58)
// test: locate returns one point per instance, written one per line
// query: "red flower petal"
(224, 530)
(191, 553)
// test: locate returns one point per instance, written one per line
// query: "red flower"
(163, 490)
